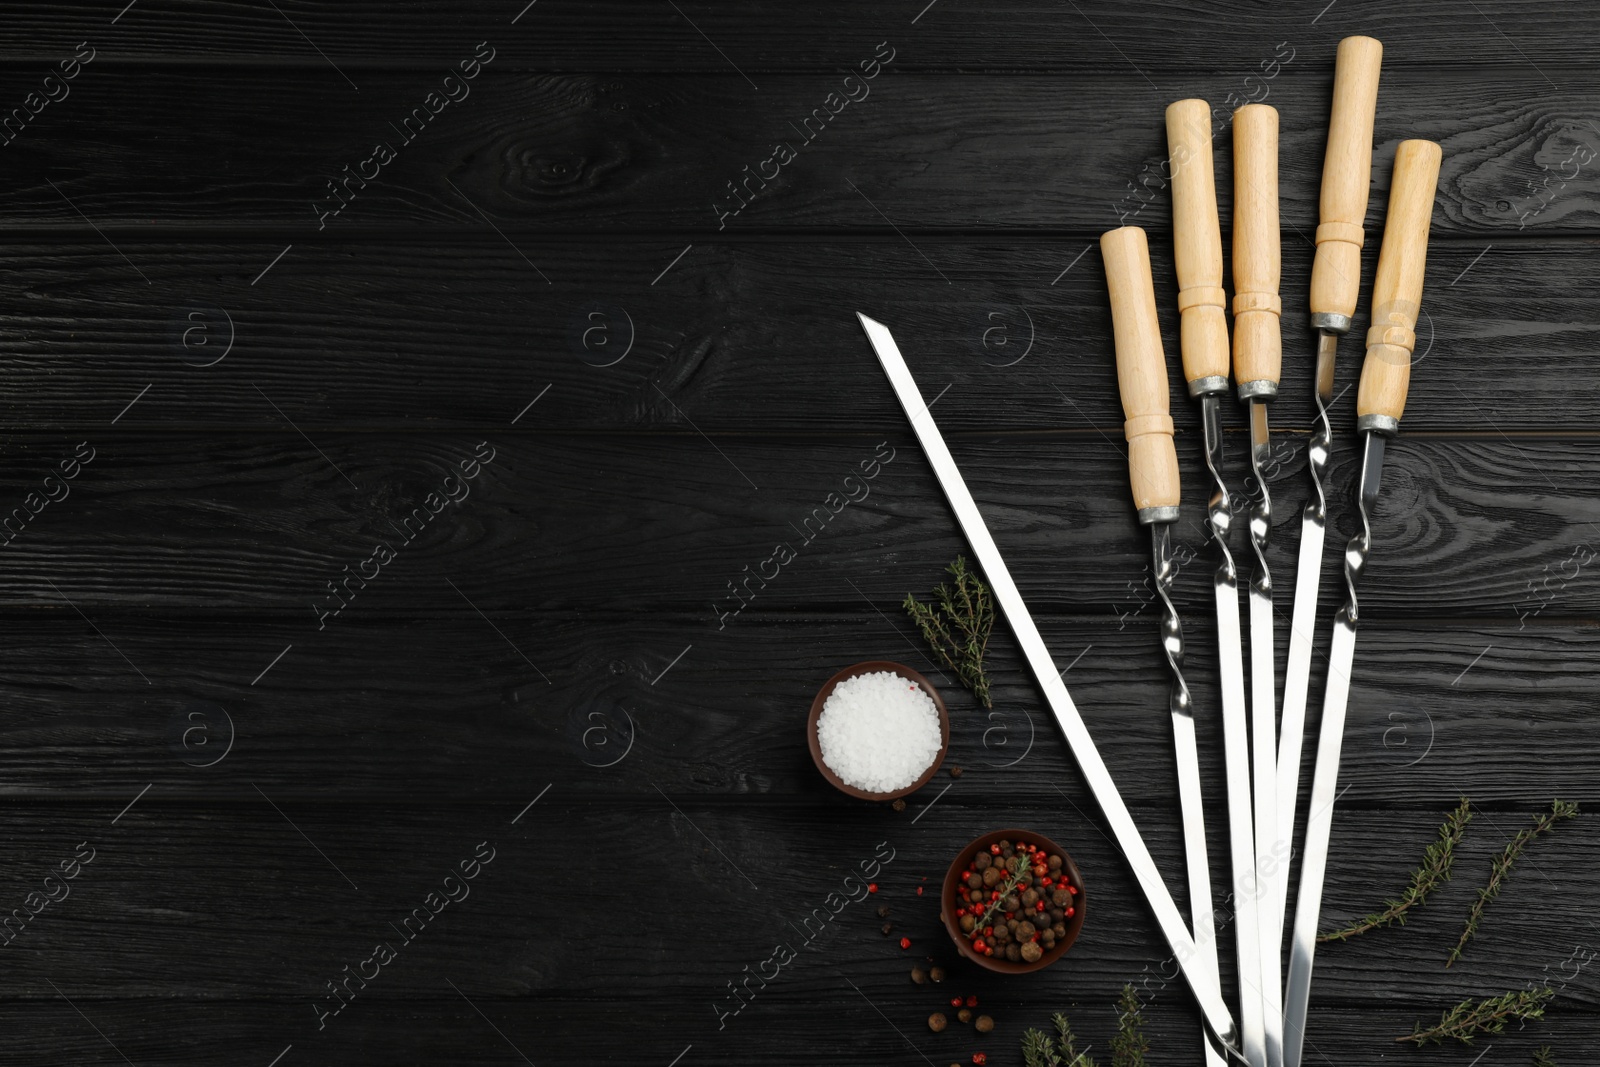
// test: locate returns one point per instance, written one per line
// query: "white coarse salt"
(878, 731)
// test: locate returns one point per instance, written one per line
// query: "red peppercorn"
(1033, 848)
(1072, 889)
(960, 912)
(905, 942)
(955, 1002)
(972, 1001)
(919, 890)
(1038, 905)
(979, 1058)
(994, 850)
(1048, 883)
(1010, 915)
(1071, 912)
(978, 945)
(988, 931)
(988, 952)
(994, 894)
(872, 887)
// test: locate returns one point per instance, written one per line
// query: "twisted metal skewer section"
(1171, 626)
(1260, 526)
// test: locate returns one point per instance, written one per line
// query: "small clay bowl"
(867, 668)
(949, 901)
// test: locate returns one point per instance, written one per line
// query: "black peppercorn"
(955, 772)
(887, 927)
(883, 911)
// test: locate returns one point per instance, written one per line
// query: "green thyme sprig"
(1544, 1056)
(958, 625)
(1016, 868)
(1467, 1020)
(1500, 868)
(1433, 871)
(1040, 1050)
(1129, 1047)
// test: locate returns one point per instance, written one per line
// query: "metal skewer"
(1385, 378)
(1203, 328)
(1142, 378)
(1257, 363)
(1335, 285)
(1206, 988)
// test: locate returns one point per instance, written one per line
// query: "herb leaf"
(1128, 1048)
(957, 625)
(1500, 868)
(1433, 871)
(1467, 1019)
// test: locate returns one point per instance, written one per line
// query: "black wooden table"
(395, 393)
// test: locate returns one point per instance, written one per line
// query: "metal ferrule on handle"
(1207, 990)
(1197, 249)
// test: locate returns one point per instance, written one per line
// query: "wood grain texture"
(1468, 528)
(609, 154)
(737, 338)
(386, 710)
(1098, 37)
(670, 376)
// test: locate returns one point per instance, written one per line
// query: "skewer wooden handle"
(1397, 290)
(1197, 243)
(1141, 369)
(1257, 256)
(1346, 178)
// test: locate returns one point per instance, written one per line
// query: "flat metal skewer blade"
(1264, 734)
(1187, 755)
(1206, 989)
(1302, 631)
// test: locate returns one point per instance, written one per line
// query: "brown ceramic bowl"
(867, 668)
(949, 901)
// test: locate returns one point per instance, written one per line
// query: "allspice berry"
(1060, 898)
(991, 876)
(898, 805)
(982, 861)
(974, 881)
(937, 974)
(968, 923)
(984, 1024)
(1031, 897)
(1031, 952)
(919, 976)
(937, 1021)
(1013, 953)
(1055, 863)
(965, 1015)
(1060, 930)
(1026, 930)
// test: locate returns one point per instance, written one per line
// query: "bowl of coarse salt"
(878, 730)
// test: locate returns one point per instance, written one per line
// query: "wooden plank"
(590, 154)
(1471, 528)
(798, 1024)
(736, 338)
(247, 900)
(1097, 36)
(443, 707)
